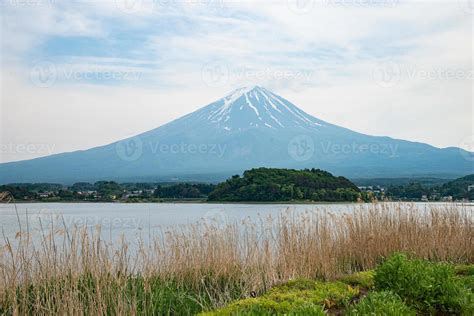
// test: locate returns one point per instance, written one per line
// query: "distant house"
(136, 193)
(470, 188)
(44, 194)
(424, 198)
(448, 198)
(87, 193)
(370, 188)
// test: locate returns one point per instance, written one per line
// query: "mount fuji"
(250, 127)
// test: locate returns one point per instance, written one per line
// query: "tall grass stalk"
(187, 269)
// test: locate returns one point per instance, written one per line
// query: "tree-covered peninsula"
(269, 185)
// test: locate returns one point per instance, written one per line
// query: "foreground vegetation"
(305, 263)
(399, 286)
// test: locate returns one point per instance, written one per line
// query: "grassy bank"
(204, 267)
(399, 286)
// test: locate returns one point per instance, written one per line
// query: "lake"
(145, 219)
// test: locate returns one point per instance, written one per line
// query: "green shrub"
(381, 303)
(363, 279)
(426, 286)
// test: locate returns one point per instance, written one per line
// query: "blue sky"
(83, 73)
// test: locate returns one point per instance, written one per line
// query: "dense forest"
(265, 184)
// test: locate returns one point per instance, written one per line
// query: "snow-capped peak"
(255, 106)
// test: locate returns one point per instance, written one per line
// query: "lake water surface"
(145, 219)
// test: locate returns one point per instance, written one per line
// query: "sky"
(78, 74)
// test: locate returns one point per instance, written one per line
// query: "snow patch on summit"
(251, 105)
(245, 107)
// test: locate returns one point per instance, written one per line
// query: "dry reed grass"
(73, 271)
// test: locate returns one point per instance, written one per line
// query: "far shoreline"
(201, 201)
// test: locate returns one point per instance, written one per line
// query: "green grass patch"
(363, 279)
(381, 303)
(464, 269)
(297, 297)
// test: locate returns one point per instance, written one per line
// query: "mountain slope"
(251, 127)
